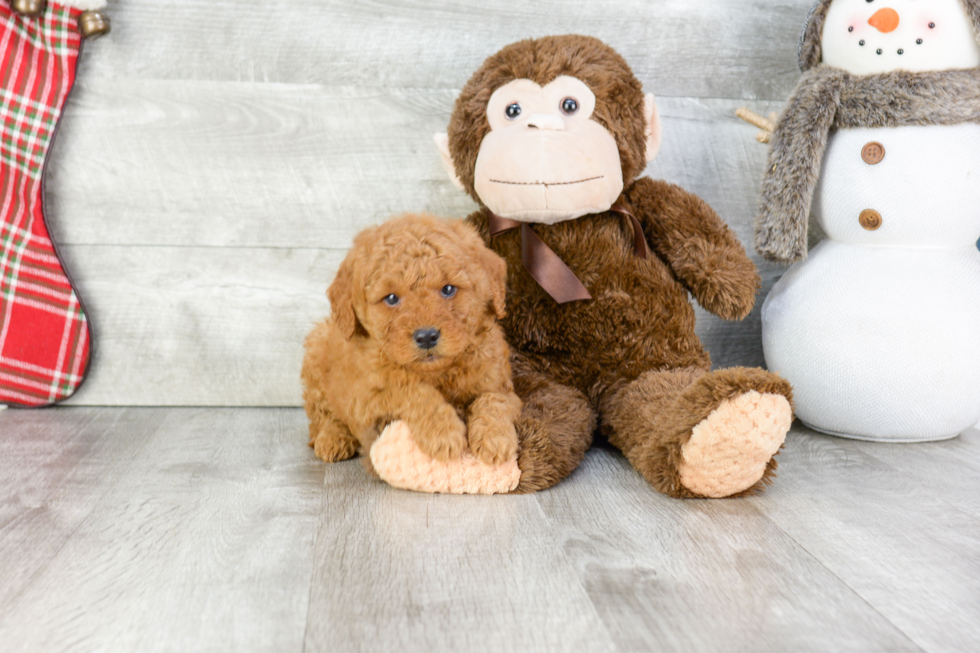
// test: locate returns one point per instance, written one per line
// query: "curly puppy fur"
(364, 367)
(574, 363)
(827, 99)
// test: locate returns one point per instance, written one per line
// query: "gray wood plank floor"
(126, 529)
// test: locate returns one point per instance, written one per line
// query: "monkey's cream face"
(545, 160)
(866, 37)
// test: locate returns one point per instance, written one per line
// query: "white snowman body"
(878, 329)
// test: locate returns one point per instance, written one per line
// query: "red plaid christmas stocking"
(44, 335)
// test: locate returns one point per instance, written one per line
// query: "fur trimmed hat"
(810, 53)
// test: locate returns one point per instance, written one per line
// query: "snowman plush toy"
(878, 326)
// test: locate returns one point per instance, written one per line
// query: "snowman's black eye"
(919, 41)
(901, 51)
(850, 29)
(513, 110)
(569, 105)
(861, 42)
(932, 26)
(879, 50)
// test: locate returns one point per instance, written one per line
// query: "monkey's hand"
(723, 280)
(698, 246)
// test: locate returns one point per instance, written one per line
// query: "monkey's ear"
(341, 294)
(655, 128)
(442, 142)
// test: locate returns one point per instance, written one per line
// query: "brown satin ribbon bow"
(547, 268)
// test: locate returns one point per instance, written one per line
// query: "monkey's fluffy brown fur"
(629, 359)
(363, 367)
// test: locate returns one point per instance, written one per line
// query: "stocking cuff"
(84, 5)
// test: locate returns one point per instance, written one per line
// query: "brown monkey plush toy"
(549, 136)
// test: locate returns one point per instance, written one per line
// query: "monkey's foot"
(730, 450)
(399, 462)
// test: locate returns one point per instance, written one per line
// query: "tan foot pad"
(400, 463)
(729, 450)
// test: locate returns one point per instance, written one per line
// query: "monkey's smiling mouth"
(546, 184)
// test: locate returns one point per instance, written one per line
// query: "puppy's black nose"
(426, 338)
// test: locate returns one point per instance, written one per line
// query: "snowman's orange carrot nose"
(885, 20)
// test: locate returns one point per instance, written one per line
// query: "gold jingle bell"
(94, 24)
(28, 8)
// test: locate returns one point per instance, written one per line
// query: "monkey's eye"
(569, 105)
(513, 110)
(392, 300)
(449, 291)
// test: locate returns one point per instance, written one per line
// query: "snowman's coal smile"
(886, 21)
(880, 51)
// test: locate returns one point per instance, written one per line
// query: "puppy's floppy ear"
(341, 294)
(494, 268)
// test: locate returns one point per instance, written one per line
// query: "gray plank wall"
(217, 158)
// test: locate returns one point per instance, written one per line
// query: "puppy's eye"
(392, 300)
(448, 291)
(569, 105)
(513, 110)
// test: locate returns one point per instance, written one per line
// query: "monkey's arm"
(698, 246)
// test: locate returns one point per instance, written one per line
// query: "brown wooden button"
(870, 219)
(873, 153)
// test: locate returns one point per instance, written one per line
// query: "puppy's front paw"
(493, 442)
(442, 436)
(333, 448)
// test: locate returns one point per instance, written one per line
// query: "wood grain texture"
(709, 48)
(269, 165)
(51, 480)
(245, 164)
(899, 523)
(155, 530)
(670, 575)
(199, 326)
(398, 571)
(216, 530)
